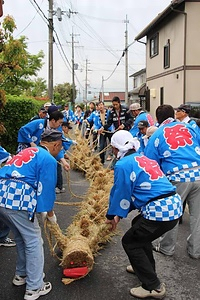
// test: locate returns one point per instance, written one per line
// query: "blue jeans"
(29, 243)
(4, 231)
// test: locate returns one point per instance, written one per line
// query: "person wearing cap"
(150, 130)
(42, 113)
(53, 108)
(182, 115)
(143, 126)
(139, 184)
(140, 115)
(27, 187)
(176, 148)
(46, 105)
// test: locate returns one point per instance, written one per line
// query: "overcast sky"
(99, 35)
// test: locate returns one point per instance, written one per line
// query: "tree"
(63, 93)
(38, 87)
(17, 65)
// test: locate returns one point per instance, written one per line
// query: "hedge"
(17, 112)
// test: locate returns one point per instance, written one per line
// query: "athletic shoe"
(141, 293)
(7, 242)
(32, 295)
(21, 280)
(58, 191)
(130, 269)
(62, 190)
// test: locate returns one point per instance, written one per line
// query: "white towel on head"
(124, 141)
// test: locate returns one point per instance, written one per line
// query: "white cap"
(150, 131)
(134, 106)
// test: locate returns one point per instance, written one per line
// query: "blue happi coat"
(4, 155)
(31, 132)
(138, 180)
(176, 148)
(97, 120)
(143, 116)
(28, 181)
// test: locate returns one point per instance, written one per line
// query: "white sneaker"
(32, 295)
(21, 280)
(7, 242)
(130, 269)
(141, 293)
(57, 190)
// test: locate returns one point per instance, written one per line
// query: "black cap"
(184, 107)
(53, 108)
(43, 109)
(67, 124)
(143, 124)
(52, 135)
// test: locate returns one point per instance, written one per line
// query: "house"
(107, 97)
(172, 55)
(138, 93)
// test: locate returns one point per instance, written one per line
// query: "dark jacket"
(123, 118)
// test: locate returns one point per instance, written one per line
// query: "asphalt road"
(108, 280)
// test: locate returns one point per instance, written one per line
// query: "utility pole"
(50, 79)
(73, 81)
(73, 72)
(102, 89)
(86, 70)
(59, 14)
(126, 61)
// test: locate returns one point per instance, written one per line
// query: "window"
(161, 95)
(167, 55)
(135, 82)
(154, 45)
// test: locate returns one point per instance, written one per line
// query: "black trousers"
(59, 177)
(137, 245)
(103, 144)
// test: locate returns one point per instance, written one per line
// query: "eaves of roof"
(169, 9)
(142, 71)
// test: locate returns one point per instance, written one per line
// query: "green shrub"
(17, 112)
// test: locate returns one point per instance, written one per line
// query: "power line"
(39, 8)
(29, 22)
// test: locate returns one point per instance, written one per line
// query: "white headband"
(124, 141)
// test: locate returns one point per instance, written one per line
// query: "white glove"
(74, 142)
(52, 219)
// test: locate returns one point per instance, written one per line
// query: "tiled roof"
(109, 96)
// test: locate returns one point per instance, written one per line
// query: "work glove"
(52, 219)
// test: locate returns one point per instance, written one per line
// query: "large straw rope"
(88, 232)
